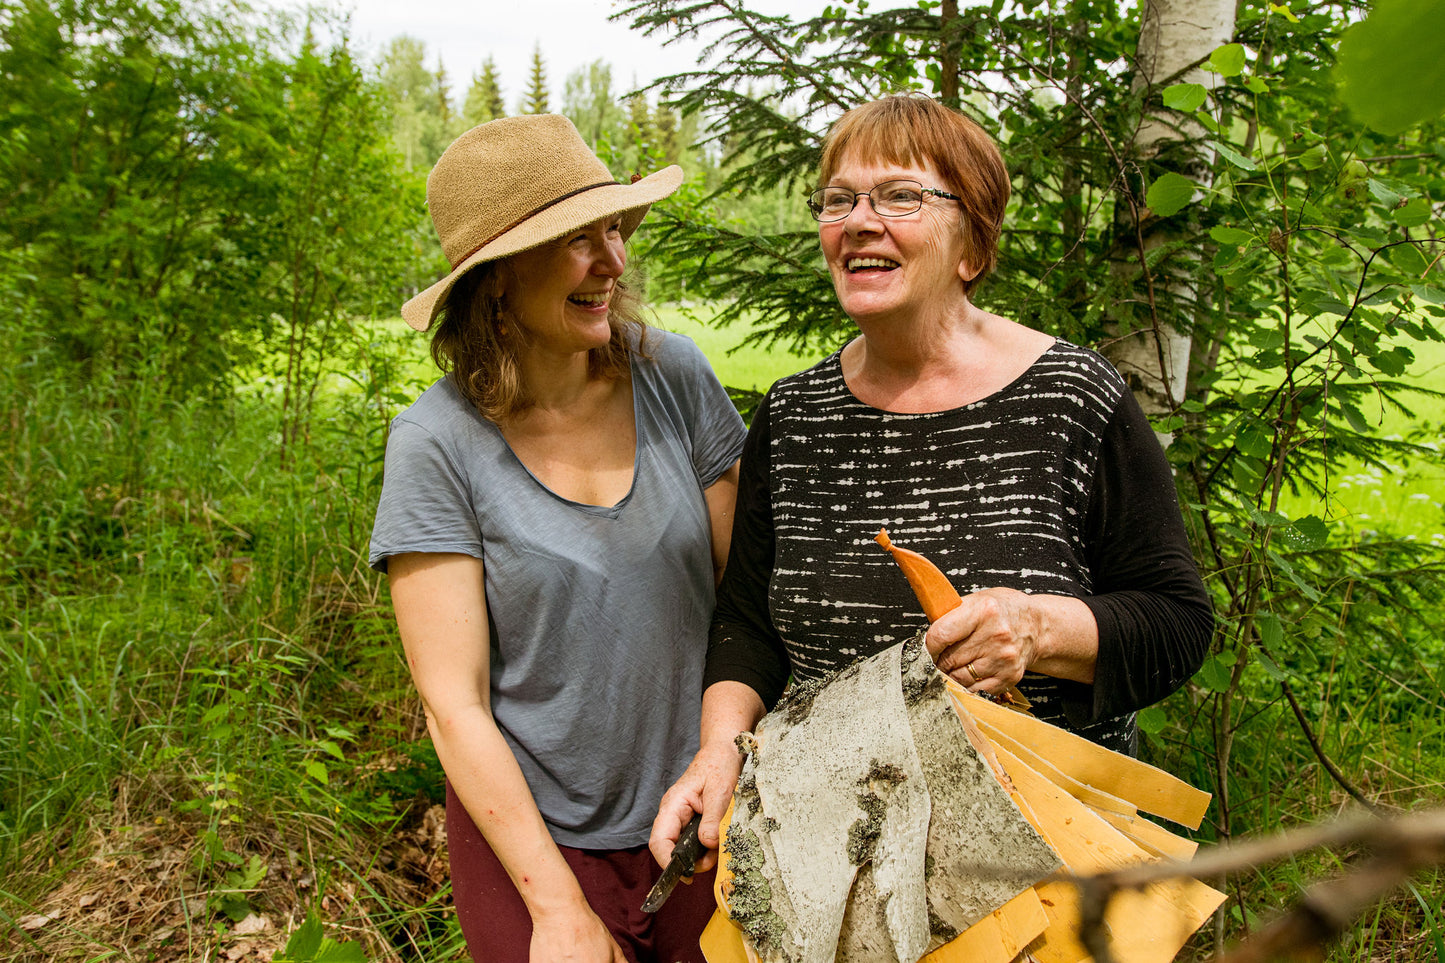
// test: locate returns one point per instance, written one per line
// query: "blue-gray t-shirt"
(598, 615)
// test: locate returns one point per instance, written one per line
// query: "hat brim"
(630, 200)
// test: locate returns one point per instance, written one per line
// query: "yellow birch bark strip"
(1146, 926)
(1152, 790)
(998, 938)
(1095, 799)
(722, 941)
(1152, 837)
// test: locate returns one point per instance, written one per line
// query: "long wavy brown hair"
(476, 340)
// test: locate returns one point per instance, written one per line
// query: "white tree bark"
(1173, 34)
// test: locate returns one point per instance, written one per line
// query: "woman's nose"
(611, 259)
(862, 217)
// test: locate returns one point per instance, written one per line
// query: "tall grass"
(187, 625)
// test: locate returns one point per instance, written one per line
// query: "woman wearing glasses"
(553, 514)
(1020, 464)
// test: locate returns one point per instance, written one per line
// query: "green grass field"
(738, 367)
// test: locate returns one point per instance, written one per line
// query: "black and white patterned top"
(1055, 484)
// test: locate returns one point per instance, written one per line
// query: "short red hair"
(909, 128)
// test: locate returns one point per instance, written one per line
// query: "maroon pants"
(499, 930)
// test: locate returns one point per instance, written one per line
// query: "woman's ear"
(966, 271)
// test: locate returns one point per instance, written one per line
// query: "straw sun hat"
(516, 183)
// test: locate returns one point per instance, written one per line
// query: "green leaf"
(1152, 720)
(1170, 193)
(305, 941)
(1394, 362)
(1413, 214)
(332, 749)
(1271, 629)
(1284, 11)
(1355, 417)
(1185, 97)
(1254, 441)
(235, 906)
(1233, 156)
(1391, 66)
(1230, 235)
(1380, 191)
(1227, 61)
(1267, 519)
(1256, 85)
(1307, 534)
(1314, 158)
(1429, 293)
(1214, 675)
(1270, 669)
(317, 770)
(347, 952)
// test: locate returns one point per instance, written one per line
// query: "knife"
(684, 857)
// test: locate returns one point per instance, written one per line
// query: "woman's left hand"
(987, 642)
(995, 635)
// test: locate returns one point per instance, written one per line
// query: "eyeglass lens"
(890, 199)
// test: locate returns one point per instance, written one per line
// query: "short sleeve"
(715, 428)
(425, 504)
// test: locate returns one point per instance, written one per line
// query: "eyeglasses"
(890, 199)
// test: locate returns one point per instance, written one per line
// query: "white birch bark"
(1172, 35)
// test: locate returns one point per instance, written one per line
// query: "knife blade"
(685, 855)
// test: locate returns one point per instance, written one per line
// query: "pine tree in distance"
(534, 101)
(484, 97)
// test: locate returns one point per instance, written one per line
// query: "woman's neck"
(555, 381)
(939, 365)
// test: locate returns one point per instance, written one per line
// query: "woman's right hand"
(576, 935)
(706, 787)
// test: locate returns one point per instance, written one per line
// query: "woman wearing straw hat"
(554, 513)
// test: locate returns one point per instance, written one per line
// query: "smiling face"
(906, 269)
(559, 292)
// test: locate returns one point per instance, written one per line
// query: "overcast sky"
(572, 33)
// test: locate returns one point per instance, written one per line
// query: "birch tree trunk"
(1173, 35)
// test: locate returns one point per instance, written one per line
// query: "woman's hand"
(573, 935)
(728, 708)
(989, 641)
(706, 787)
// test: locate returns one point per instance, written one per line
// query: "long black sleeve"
(743, 645)
(1153, 611)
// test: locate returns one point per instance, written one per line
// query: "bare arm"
(728, 708)
(721, 496)
(442, 616)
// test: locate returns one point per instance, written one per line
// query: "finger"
(952, 628)
(672, 816)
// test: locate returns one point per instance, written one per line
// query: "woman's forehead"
(858, 170)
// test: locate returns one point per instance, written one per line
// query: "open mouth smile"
(590, 300)
(856, 264)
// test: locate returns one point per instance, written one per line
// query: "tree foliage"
(535, 99)
(422, 122)
(184, 194)
(484, 97)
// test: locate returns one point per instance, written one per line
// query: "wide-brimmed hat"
(516, 183)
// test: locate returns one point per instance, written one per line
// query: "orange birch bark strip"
(937, 596)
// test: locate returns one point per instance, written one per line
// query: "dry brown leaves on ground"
(134, 892)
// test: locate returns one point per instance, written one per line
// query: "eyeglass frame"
(922, 192)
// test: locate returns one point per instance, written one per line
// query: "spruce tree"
(484, 96)
(534, 101)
